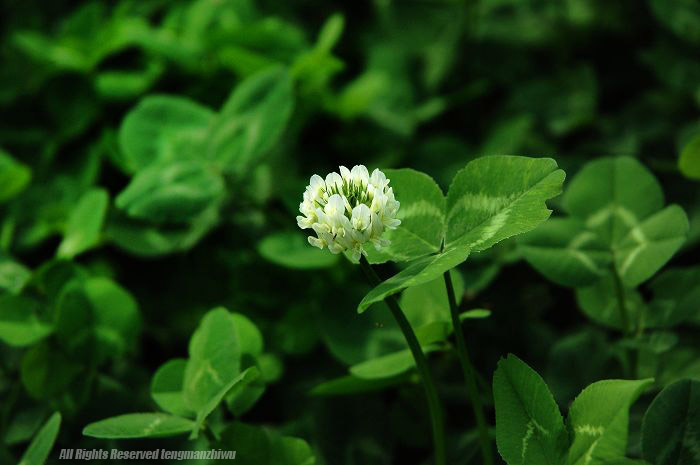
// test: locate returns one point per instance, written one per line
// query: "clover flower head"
(349, 209)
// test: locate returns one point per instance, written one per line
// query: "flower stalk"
(469, 374)
(434, 405)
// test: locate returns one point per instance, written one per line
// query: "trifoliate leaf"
(251, 121)
(153, 129)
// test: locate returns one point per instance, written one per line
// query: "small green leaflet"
(529, 427)
(676, 293)
(167, 387)
(96, 319)
(19, 324)
(599, 419)
(388, 366)
(13, 275)
(40, 447)
(291, 250)
(139, 425)
(689, 161)
(84, 224)
(14, 176)
(215, 355)
(671, 426)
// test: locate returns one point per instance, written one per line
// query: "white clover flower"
(349, 209)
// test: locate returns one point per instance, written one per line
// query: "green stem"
(625, 319)
(469, 374)
(621, 303)
(434, 405)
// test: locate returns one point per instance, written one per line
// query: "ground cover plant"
(329, 233)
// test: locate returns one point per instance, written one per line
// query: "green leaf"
(167, 387)
(139, 425)
(84, 224)
(251, 121)
(19, 324)
(47, 372)
(428, 303)
(529, 427)
(352, 385)
(420, 271)
(599, 419)
(676, 293)
(14, 177)
(648, 246)
(152, 130)
(249, 336)
(40, 447)
(671, 425)
(475, 314)
(245, 377)
(616, 216)
(260, 446)
(388, 366)
(13, 275)
(96, 319)
(172, 192)
(143, 238)
(564, 252)
(689, 161)
(494, 198)
(291, 250)
(422, 215)
(600, 303)
(244, 395)
(215, 359)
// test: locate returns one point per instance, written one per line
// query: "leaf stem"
(434, 405)
(621, 302)
(625, 319)
(469, 374)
